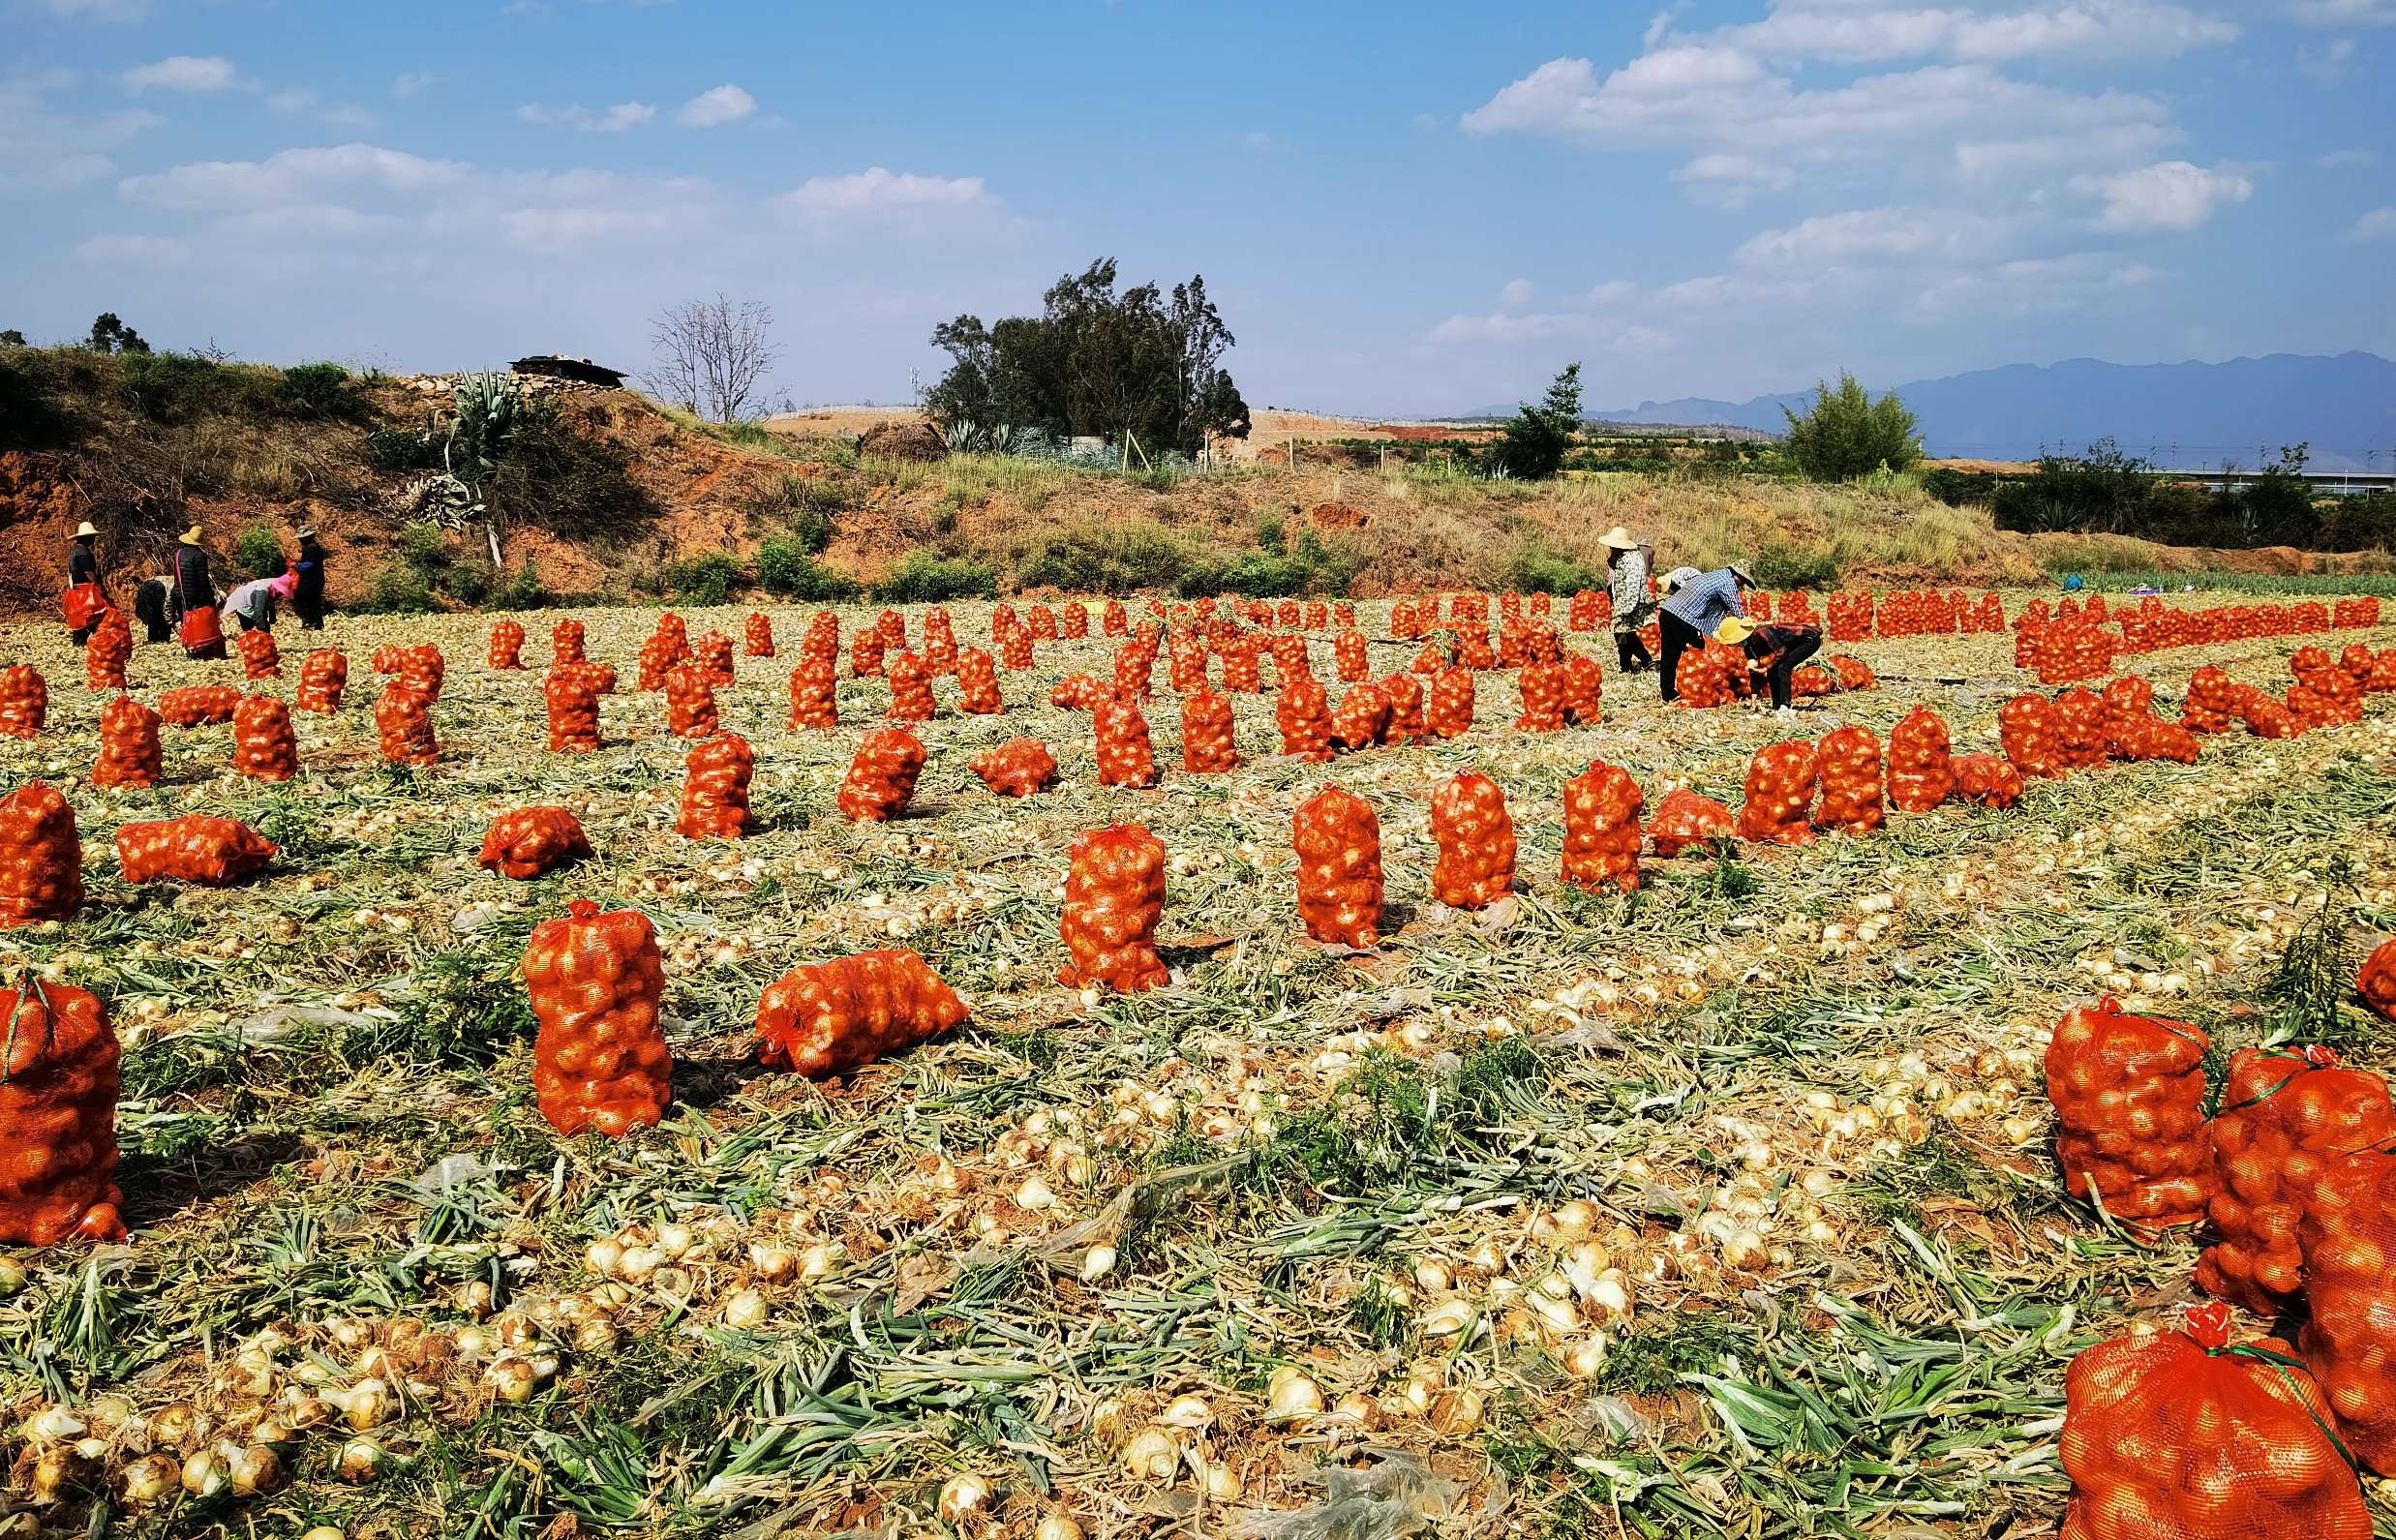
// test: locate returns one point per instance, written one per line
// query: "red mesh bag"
(1543, 687)
(2346, 1237)
(1288, 614)
(1922, 772)
(1114, 896)
(1349, 654)
(1113, 620)
(566, 642)
(110, 648)
(2285, 1122)
(1290, 663)
(600, 1061)
(1854, 674)
(506, 645)
(1075, 619)
(129, 749)
(205, 852)
(1850, 617)
(1318, 614)
(1472, 649)
(58, 1086)
(1362, 717)
(2129, 1094)
(828, 1018)
(573, 712)
(1429, 661)
(1043, 623)
(1450, 712)
(259, 657)
(2356, 660)
(1014, 648)
(977, 684)
(1125, 755)
(2376, 982)
(1339, 845)
(322, 676)
(2318, 708)
(1986, 780)
(1780, 794)
(691, 701)
(911, 691)
(2031, 730)
(198, 704)
(1707, 676)
(1811, 681)
(2266, 717)
(893, 628)
(2079, 739)
(388, 657)
(403, 727)
(1017, 768)
(264, 747)
(2148, 738)
(881, 778)
(421, 669)
(757, 636)
(1242, 669)
(1585, 684)
(2131, 696)
(823, 639)
(865, 654)
(667, 647)
(1684, 818)
(1207, 747)
(1602, 828)
(2179, 1436)
(41, 856)
(2383, 672)
(528, 842)
(1581, 614)
(1078, 692)
(25, 701)
(1303, 714)
(716, 781)
(1186, 661)
(1475, 835)
(814, 696)
(1135, 664)
(1849, 760)
(712, 655)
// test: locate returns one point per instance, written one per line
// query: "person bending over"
(1774, 651)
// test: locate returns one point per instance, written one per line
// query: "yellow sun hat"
(1733, 631)
(85, 529)
(191, 536)
(1618, 538)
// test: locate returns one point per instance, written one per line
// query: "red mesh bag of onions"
(58, 1085)
(528, 842)
(827, 1019)
(2128, 1093)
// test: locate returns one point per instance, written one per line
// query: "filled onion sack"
(1017, 768)
(58, 1088)
(322, 676)
(1114, 896)
(1922, 772)
(1126, 757)
(1543, 687)
(264, 747)
(715, 789)
(827, 1019)
(206, 852)
(403, 727)
(41, 856)
(2178, 1436)
(600, 1061)
(1475, 835)
(2348, 1240)
(814, 696)
(1206, 740)
(2377, 981)
(1585, 686)
(881, 778)
(1361, 719)
(528, 842)
(422, 669)
(1450, 712)
(1338, 847)
(109, 651)
(1684, 818)
(911, 689)
(1986, 780)
(1779, 808)
(565, 643)
(573, 712)
(24, 701)
(1303, 714)
(712, 655)
(1602, 828)
(1347, 656)
(757, 636)
(977, 683)
(198, 704)
(129, 748)
(506, 645)
(2285, 1122)
(2129, 1094)
(259, 657)
(1405, 694)
(1849, 760)
(691, 701)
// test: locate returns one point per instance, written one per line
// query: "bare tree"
(712, 357)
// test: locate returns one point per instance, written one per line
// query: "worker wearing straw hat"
(1774, 650)
(88, 595)
(195, 598)
(1628, 561)
(1696, 605)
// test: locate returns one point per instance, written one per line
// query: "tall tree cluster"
(1095, 363)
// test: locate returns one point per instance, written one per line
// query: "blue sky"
(1401, 208)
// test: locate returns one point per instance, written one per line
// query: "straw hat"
(1618, 538)
(191, 536)
(83, 529)
(1678, 576)
(1738, 570)
(1733, 631)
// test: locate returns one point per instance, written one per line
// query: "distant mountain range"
(2187, 414)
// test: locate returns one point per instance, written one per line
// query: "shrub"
(523, 591)
(555, 477)
(926, 576)
(468, 582)
(258, 552)
(706, 580)
(1848, 435)
(1536, 569)
(1106, 559)
(807, 506)
(1317, 567)
(786, 568)
(171, 388)
(29, 415)
(399, 451)
(1784, 566)
(319, 390)
(397, 587)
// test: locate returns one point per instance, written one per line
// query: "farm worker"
(1774, 650)
(87, 597)
(195, 598)
(308, 600)
(1628, 560)
(150, 605)
(253, 602)
(1696, 604)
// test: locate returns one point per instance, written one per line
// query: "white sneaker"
(1786, 713)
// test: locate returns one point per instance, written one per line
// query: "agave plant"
(960, 436)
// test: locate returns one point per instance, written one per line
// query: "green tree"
(1536, 439)
(112, 336)
(1848, 435)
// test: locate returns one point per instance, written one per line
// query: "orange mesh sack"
(1707, 676)
(1922, 772)
(506, 645)
(573, 712)
(757, 636)
(1362, 717)
(977, 683)
(1854, 674)
(2346, 1237)
(403, 727)
(1349, 654)
(1339, 846)
(911, 691)
(322, 676)
(265, 748)
(41, 856)
(1114, 896)
(528, 842)
(1986, 780)
(1207, 747)
(691, 701)
(2177, 1435)
(814, 695)
(2031, 731)
(58, 1085)
(24, 701)
(713, 656)
(1684, 818)
(2285, 1122)
(1849, 760)
(1113, 620)
(1779, 808)
(204, 852)
(1017, 768)
(1543, 687)
(2129, 1094)
(198, 704)
(881, 778)
(566, 642)
(1078, 692)
(1450, 713)
(2080, 730)
(1476, 836)
(827, 1019)
(2376, 982)
(1585, 686)
(715, 789)
(259, 658)
(1602, 828)
(1405, 694)
(600, 1061)
(109, 651)
(1125, 755)
(1303, 714)
(1075, 618)
(421, 668)
(129, 749)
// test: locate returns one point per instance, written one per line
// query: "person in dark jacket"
(308, 600)
(83, 566)
(1774, 650)
(151, 601)
(193, 589)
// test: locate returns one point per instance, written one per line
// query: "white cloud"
(1903, 237)
(708, 110)
(1516, 294)
(1612, 291)
(620, 118)
(42, 150)
(2346, 160)
(1865, 32)
(2332, 64)
(2034, 286)
(184, 71)
(1729, 179)
(878, 189)
(1505, 327)
(2380, 225)
(412, 83)
(292, 176)
(2167, 195)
